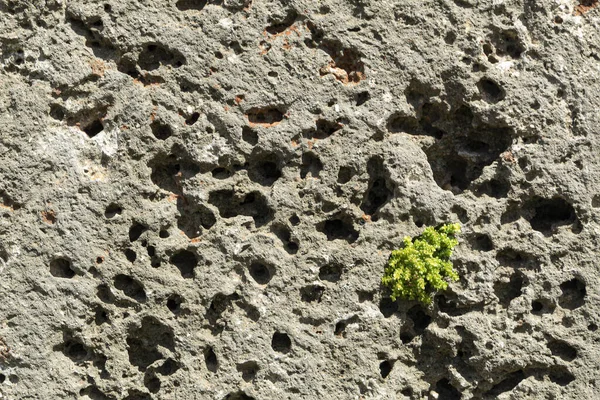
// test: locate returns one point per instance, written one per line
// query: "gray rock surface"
(199, 198)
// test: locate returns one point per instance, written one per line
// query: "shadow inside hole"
(338, 228)
(249, 369)
(130, 287)
(281, 342)
(260, 273)
(186, 261)
(210, 359)
(573, 294)
(61, 268)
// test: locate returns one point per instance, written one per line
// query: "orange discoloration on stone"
(49, 217)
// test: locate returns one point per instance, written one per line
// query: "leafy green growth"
(423, 265)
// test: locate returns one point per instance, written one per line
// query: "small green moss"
(423, 265)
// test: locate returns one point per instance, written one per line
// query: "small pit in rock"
(337, 228)
(281, 342)
(249, 369)
(260, 273)
(61, 268)
(185, 261)
(573, 294)
(130, 287)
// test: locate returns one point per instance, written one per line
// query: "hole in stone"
(457, 160)
(446, 391)
(548, 214)
(136, 231)
(152, 383)
(508, 43)
(507, 384)
(401, 123)
(338, 229)
(294, 220)
(406, 336)
(345, 65)
(362, 98)
(516, 259)
(210, 359)
(507, 291)
(482, 242)
(112, 211)
(561, 376)
(323, 129)
(133, 394)
(94, 128)
(266, 117)
(388, 307)
(378, 192)
(249, 136)
(169, 367)
(420, 320)
(174, 303)
(194, 217)
(310, 165)
(185, 261)
(284, 234)
(93, 393)
(231, 204)
(130, 255)
(239, 395)
(345, 174)
(265, 171)
(151, 250)
(281, 342)
(57, 112)
(154, 55)
(331, 272)
(573, 294)
(340, 326)
(249, 369)
(260, 273)
(100, 316)
(192, 119)
(490, 91)
(495, 188)
(104, 293)
(61, 268)
(385, 368)
(161, 131)
(163, 234)
(542, 306)
(144, 342)
(221, 173)
(72, 348)
(130, 287)
(312, 293)
(166, 173)
(562, 349)
(283, 24)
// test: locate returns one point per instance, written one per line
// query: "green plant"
(423, 265)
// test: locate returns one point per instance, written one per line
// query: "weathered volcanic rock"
(199, 197)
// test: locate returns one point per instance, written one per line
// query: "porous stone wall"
(199, 197)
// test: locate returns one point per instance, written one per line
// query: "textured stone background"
(199, 198)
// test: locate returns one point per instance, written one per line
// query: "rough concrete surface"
(199, 197)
